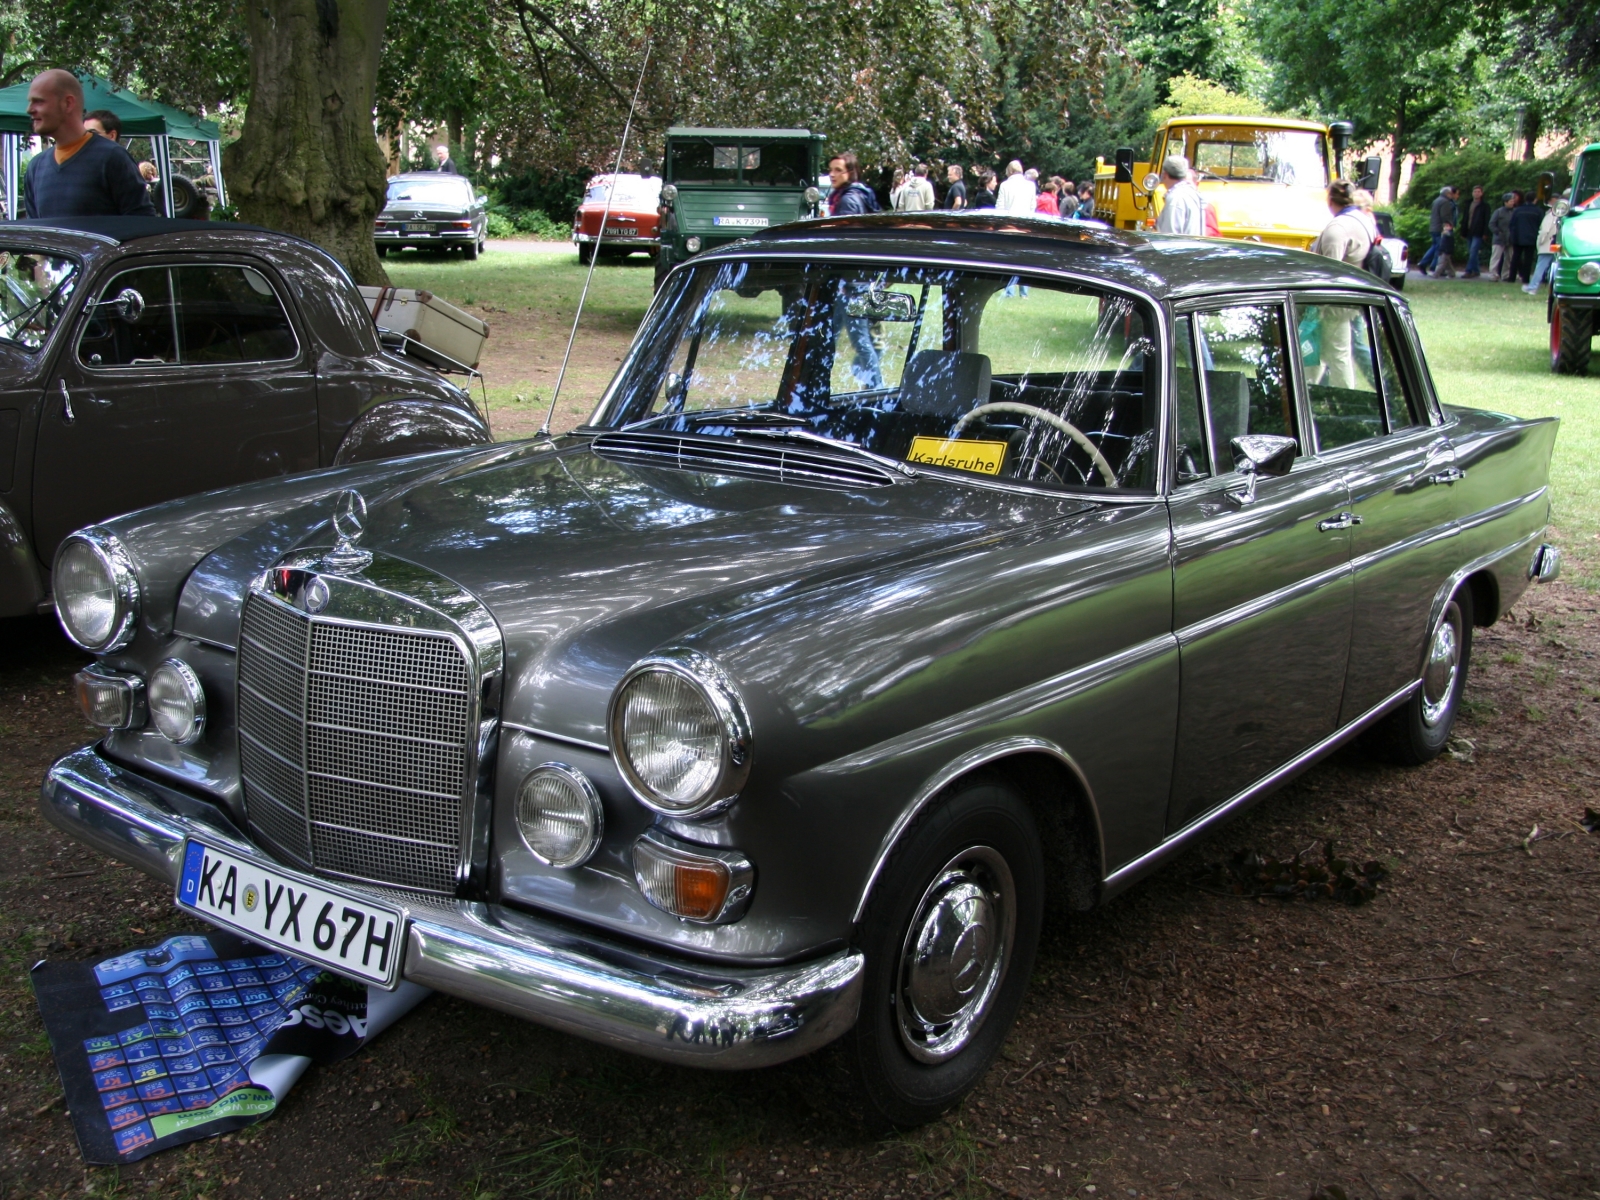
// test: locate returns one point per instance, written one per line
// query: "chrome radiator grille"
(354, 745)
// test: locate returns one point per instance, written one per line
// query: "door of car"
(1261, 586)
(1369, 416)
(202, 384)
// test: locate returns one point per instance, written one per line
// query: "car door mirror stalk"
(1258, 454)
(127, 305)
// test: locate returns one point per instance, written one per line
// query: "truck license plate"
(349, 934)
(742, 222)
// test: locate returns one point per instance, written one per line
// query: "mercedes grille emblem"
(316, 595)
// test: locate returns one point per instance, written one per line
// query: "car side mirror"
(482, 200)
(1258, 454)
(127, 305)
(1123, 164)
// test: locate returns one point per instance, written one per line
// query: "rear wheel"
(1417, 731)
(585, 254)
(382, 250)
(471, 250)
(949, 937)
(1571, 332)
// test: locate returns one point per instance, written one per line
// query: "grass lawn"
(1487, 347)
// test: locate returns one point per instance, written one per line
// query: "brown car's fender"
(411, 425)
(21, 586)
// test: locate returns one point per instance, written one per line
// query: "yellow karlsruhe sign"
(985, 458)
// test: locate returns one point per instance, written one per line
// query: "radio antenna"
(605, 213)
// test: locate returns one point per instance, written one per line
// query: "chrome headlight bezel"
(1589, 273)
(732, 721)
(187, 730)
(693, 244)
(588, 796)
(123, 582)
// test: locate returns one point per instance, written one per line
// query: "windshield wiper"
(810, 435)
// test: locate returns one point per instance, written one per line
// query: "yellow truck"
(1266, 177)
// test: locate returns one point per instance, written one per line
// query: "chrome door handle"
(1448, 475)
(1343, 521)
(67, 415)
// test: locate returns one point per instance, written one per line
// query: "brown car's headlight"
(680, 734)
(96, 590)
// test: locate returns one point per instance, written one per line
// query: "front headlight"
(96, 590)
(668, 193)
(680, 734)
(692, 245)
(559, 815)
(1589, 274)
(177, 702)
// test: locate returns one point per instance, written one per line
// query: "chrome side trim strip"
(618, 993)
(1505, 507)
(534, 730)
(1250, 608)
(1125, 875)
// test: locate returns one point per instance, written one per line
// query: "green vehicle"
(720, 185)
(1575, 285)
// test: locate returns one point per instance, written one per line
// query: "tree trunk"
(1397, 153)
(1531, 121)
(452, 125)
(308, 162)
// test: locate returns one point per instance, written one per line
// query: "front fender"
(21, 582)
(412, 425)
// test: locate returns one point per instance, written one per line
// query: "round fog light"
(559, 815)
(1589, 274)
(693, 245)
(177, 702)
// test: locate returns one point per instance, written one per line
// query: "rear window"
(451, 191)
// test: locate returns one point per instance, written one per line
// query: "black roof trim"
(131, 229)
(980, 221)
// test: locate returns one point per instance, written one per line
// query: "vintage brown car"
(143, 359)
(917, 576)
(629, 204)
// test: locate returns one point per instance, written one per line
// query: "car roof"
(1264, 122)
(693, 131)
(122, 230)
(413, 176)
(1166, 266)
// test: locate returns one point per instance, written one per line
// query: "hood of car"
(589, 564)
(1250, 204)
(1580, 233)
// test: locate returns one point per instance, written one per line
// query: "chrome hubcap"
(955, 954)
(1444, 664)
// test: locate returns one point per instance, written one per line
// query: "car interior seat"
(944, 383)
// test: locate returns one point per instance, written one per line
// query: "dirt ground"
(1439, 1042)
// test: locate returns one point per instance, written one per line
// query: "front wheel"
(1417, 731)
(949, 937)
(1571, 332)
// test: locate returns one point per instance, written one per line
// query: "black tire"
(663, 267)
(187, 201)
(1571, 333)
(470, 250)
(382, 250)
(957, 860)
(585, 253)
(1417, 731)
(1398, 282)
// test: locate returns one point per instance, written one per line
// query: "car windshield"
(630, 191)
(1048, 383)
(451, 193)
(1586, 180)
(34, 290)
(775, 164)
(1292, 156)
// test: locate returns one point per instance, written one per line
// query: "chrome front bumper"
(637, 241)
(642, 1001)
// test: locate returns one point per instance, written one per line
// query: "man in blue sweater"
(81, 174)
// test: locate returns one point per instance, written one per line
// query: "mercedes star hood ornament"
(349, 523)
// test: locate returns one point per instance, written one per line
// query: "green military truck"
(1575, 285)
(719, 185)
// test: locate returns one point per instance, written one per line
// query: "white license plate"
(743, 222)
(425, 228)
(345, 933)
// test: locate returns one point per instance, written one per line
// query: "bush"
(1411, 224)
(508, 222)
(558, 192)
(501, 226)
(1479, 166)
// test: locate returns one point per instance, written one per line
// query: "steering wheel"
(1049, 418)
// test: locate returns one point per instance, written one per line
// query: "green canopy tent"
(159, 122)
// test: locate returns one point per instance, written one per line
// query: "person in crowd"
(1046, 204)
(924, 188)
(106, 123)
(896, 186)
(1444, 264)
(1500, 237)
(1018, 193)
(1067, 199)
(447, 165)
(1344, 239)
(1363, 202)
(955, 196)
(81, 175)
(849, 197)
(988, 185)
(1525, 222)
(1549, 244)
(1442, 213)
(1183, 211)
(1476, 226)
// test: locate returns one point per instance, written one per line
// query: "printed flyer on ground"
(198, 1036)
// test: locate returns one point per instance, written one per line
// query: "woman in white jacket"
(1549, 237)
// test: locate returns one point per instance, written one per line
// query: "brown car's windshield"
(34, 290)
(989, 374)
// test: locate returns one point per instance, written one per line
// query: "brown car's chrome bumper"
(665, 1008)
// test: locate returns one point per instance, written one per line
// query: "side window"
(1341, 374)
(230, 314)
(1403, 405)
(151, 340)
(1243, 358)
(1193, 461)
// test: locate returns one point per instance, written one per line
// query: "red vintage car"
(631, 223)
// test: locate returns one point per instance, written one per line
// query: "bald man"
(81, 174)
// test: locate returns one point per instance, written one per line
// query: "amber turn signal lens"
(695, 886)
(111, 699)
